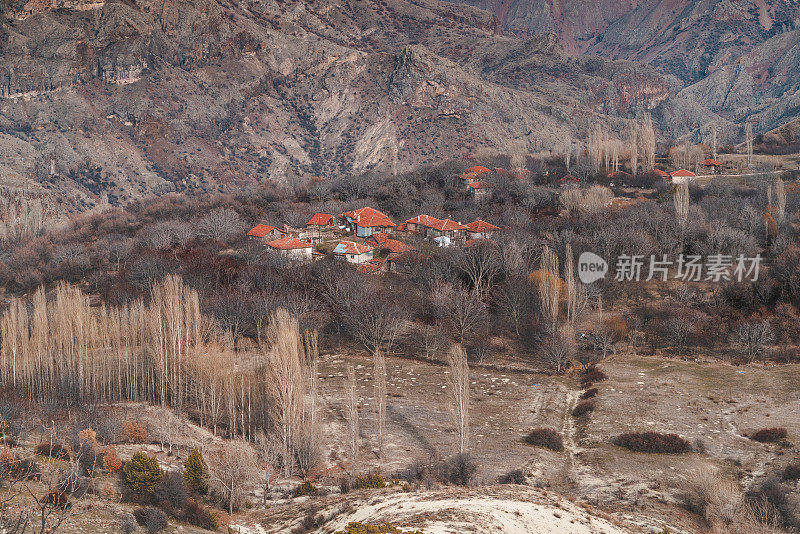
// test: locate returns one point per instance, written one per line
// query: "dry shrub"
(769, 435)
(719, 500)
(111, 460)
(370, 481)
(517, 476)
(653, 442)
(304, 489)
(593, 374)
(589, 393)
(57, 451)
(545, 437)
(792, 471)
(133, 432)
(198, 515)
(584, 407)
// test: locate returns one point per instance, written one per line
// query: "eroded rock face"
(733, 59)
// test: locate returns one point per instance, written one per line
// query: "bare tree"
(458, 382)
(287, 380)
(681, 202)
(481, 264)
(748, 139)
(558, 349)
(232, 469)
(515, 299)
(378, 321)
(379, 389)
(461, 308)
(351, 397)
(268, 454)
(754, 338)
(780, 201)
(633, 147)
(548, 286)
(221, 224)
(307, 452)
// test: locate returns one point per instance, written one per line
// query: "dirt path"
(569, 431)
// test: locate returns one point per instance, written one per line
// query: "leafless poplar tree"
(633, 147)
(647, 143)
(287, 380)
(748, 139)
(351, 397)
(681, 202)
(379, 388)
(458, 382)
(572, 285)
(549, 286)
(780, 201)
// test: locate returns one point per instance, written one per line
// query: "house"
(292, 248)
(385, 243)
(353, 252)
(480, 229)
(662, 174)
(321, 220)
(265, 232)
(473, 174)
(713, 164)
(480, 189)
(431, 227)
(366, 221)
(681, 176)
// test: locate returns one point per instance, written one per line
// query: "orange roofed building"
(353, 252)
(681, 176)
(480, 229)
(265, 232)
(323, 220)
(292, 248)
(367, 221)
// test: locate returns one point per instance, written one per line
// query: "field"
(713, 405)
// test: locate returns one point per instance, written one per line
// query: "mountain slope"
(119, 99)
(734, 59)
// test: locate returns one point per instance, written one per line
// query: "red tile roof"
(379, 237)
(443, 225)
(478, 169)
(394, 246)
(481, 226)
(408, 257)
(569, 178)
(683, 173)
(260, 230)
(370, 267)
(480, 184)
(661, 173)
(350, 247)
(289, 243)
(711, 163)
(369, 217)
(320, 219)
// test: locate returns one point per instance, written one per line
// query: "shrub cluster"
(133, 432)
(382, 528)
(591, 375)
(584, 407)
(57, 451)
(306, 488)
(14, 467)
(370, 481)
(654, 442)
(792, 471)
(589, 393)
(151, 518)
(769, 435)
(545, 437)
(517, 476)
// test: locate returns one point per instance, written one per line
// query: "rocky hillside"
(106, 101)
(111, 100)
(733, 59)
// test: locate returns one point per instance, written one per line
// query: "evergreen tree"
(142, 474)
(195, 472)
